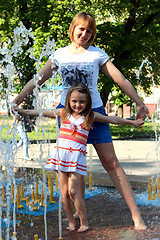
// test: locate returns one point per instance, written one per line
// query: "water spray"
(9, 50)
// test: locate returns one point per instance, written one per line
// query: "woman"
(82, 62)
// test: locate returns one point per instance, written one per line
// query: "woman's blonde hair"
(87, 112)
(83, 17)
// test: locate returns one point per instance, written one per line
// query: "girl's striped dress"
(72, 140)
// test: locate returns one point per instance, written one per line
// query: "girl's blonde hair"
(86, 18)
(87, 112)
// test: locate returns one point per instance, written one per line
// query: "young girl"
(76, 118)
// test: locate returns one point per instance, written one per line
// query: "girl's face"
(82, 33)
(78, 101)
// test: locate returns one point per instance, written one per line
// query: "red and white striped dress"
(71, 154)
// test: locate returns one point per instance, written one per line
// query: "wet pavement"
(108, 216)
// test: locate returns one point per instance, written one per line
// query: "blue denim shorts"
(99, 132)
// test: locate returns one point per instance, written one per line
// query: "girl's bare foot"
(83, 228)
(71, 227)
(75, 215)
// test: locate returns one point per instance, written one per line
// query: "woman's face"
(82, 33)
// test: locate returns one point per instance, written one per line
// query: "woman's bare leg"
(111, 164)
(66, 201)
(75, 194)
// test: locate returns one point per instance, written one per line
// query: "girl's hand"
(20, 111)
(13, 108)
(138, 123)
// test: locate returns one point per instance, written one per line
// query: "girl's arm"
(45, 73)
(111, 71)
(117, 120)
(36, 113)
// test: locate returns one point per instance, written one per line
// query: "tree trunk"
(120, 111)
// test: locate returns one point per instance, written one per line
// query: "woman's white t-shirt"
(84, 67)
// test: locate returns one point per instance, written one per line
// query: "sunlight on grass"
(121, 131)
(46, 130)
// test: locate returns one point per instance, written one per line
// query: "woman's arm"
(45, 73)
(117, 120)
(111, 71)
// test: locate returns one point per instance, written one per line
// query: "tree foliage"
(128, 30)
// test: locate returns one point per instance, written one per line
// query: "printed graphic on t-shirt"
(76, 72)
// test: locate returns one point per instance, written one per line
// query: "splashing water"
(13, 48)
(150, 74)
(153, 184)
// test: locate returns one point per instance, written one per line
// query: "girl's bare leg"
(66, 201)
(75, 194)
(111, 164)
(82, 192)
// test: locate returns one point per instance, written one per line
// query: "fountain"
(8, 71)
(153, 182)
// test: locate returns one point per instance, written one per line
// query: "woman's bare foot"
(140, 227)
(139, 224)
(71, 227)
(83, 228)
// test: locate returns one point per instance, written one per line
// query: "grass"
(47, 130)
(125, 131)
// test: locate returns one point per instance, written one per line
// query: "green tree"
(129, 33)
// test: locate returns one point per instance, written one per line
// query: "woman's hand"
(142, 112)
